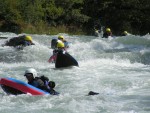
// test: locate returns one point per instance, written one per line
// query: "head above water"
(30, 71)
(125, 32)
(61, 38)
(51, 84)
(108, 30)
(60, 44)
(28, 38)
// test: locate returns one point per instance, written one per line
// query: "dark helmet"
(51, 84)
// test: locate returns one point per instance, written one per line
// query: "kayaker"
(60, 47)
(64, 41)
(107, 33)
(125, 33)
(28, 41)
(41, 82)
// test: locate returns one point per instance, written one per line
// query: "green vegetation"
(74, 16)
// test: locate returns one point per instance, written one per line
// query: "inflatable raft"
(16, 87)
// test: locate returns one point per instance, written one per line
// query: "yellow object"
(61, 37)
(125, 32)
(60, 44)
(108, 30)
(28, 38)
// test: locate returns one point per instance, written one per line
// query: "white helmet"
(31, 70)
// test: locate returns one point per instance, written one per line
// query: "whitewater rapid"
(117, 68)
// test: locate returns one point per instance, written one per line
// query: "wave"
(134, 40)
(133, 48)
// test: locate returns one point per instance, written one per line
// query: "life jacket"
(49, 84)
(44, 78)
(46, 83)
(37, 82)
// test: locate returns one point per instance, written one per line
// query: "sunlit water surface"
(117, 68)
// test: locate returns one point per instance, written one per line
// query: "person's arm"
(32, 43)
(26, 43)
(53, 92)
(52, 58)
(41, 85)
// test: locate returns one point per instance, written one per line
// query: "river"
(117, 68)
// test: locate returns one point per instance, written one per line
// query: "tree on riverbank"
(74, 16)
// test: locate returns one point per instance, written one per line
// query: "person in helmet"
(31, 75)
(41, 82)
(60, 45)
(125, 33)
(107, 33)
(64, 41)
(20, 41)
(61, 38)
(60, 48)
(28, 41)
(51, 85)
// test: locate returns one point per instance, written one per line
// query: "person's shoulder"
(40, 82)
(38, 79)
(43, 77)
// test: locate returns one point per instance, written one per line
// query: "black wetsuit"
(27, 43)
(106, 35)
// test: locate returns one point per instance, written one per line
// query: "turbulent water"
(117, 68)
